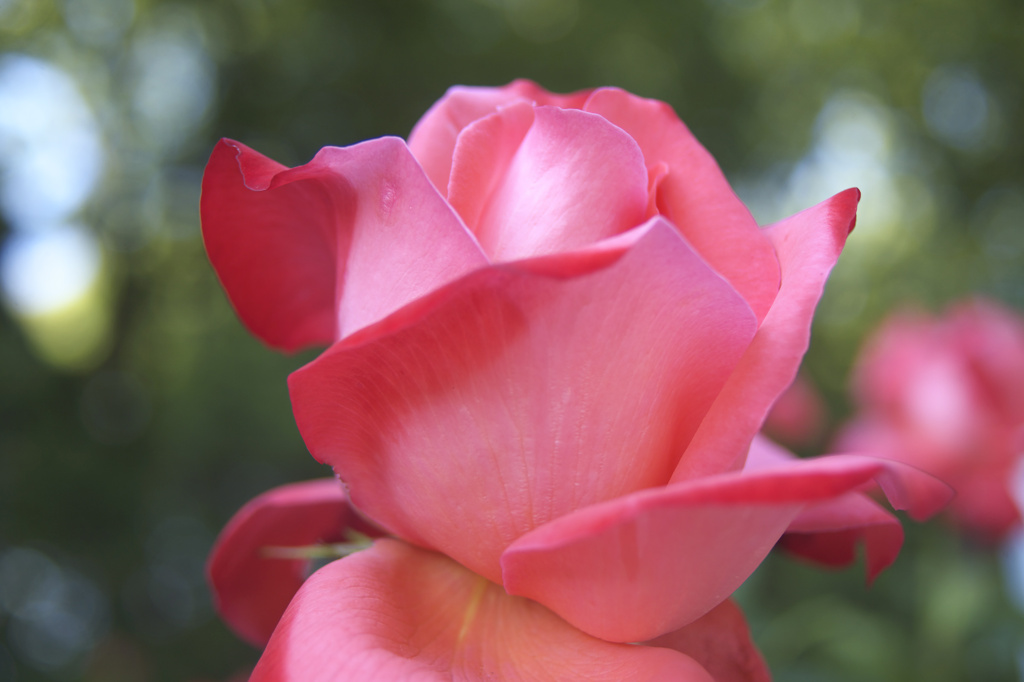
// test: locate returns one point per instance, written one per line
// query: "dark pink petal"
(277, 260)
(251, 589)
(397, 613)
(530, 181)
(312, 253)
(432, 140)
(720, 641)
(695, 195)
(808, 245)
(651, 562)
(525, 391)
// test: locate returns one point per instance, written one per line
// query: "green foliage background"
(122, 464)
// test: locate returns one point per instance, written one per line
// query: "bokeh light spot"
(51, 153)
(174, 83)
(57, 614)
(957, 107)
(47, 270)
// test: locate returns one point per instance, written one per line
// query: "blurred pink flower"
(797, 418)
(556, 333)
(947, 395)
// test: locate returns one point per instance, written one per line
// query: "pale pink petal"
(525, 391)
(250, 588)
(720, 641)
(432, 140)
(310, 254)
(482, 155)
(695, 195)
(568, 180)
(397, 613)
(808, 245)
(650, 562)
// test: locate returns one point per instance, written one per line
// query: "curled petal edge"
(624, 570)
(251, 588)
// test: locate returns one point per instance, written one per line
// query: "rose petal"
(829, 531)
(720, 641)
(695, 195)
(251, 590)
(483, 152)
(525, 392)
(568, 180)
(280, 279)
(312, 253)
(394, 612)
(906, 487)
(647, 563)
(808, 245)
(432, 140)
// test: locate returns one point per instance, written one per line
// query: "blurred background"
(136, 415)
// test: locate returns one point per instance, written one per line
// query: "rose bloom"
(946, 394)
(554, 335)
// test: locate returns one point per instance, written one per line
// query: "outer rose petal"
(312, 253)
(572, 180)
(828, 532)
(251, 590)
(432, 140)
(525, 392)
(394, 612)
(720, 641)
(647, 563)
(808, 245)
(695, 195)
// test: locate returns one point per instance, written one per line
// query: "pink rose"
(555, 335)
(947, 395)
